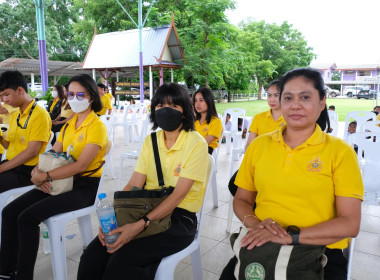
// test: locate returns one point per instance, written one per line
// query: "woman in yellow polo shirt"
(65, 115)
(183, 154)
(22, 217)
(315, 196)
(271, 120)
(54, 106)
(207, 122)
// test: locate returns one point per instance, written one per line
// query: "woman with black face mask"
(184, 158)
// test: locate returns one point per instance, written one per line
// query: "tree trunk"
(259, 94)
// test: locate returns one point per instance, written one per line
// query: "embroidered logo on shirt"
(22, 139)
(315, 165)
(282, 124)
(177, 170)
(205, 129)
(254, 271)
(81, 137)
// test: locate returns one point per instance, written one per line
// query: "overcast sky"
(340, 31)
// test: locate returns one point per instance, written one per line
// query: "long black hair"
(316, 77)
(177, 95)
(209, 99)
(61, 94)
(89, 84)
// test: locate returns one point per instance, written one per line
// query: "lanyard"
(27, 120)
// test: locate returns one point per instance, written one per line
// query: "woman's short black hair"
(209, 99)
(315, 76)
(276, 82)
(177, 95)
(90, 85)
(61, 94)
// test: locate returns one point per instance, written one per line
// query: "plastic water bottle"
(107, 218)
(45, 236)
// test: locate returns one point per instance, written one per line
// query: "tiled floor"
(215, 247)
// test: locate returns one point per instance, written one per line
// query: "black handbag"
(131, 206)
(273, 261)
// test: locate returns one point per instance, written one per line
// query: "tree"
(283, 49)
(18, 30)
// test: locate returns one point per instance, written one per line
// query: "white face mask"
(54, 93)
(79, 106)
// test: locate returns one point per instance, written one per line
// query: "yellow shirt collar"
(178, 143)
(27, 110)
(89, 119)
(316, 138)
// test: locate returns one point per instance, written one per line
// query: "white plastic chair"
(372, 126)
(234, 133)
(348, 253)
(109, 121)
(56, 228)
(333, 116)
(360, 117)
(369, 159)
(129, 122)
(167, 266)
(135, 153)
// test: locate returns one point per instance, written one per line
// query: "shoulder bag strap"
(157, 160)
(64, 131)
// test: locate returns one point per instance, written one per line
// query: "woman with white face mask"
(54, 106)
(88, 136)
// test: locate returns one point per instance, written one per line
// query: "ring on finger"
(273, 222)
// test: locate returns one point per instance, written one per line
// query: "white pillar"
(150, 83)
(117, 95)
(171, 72)
(117, 76)
(94, 74)
(55, 80)
(32, 80)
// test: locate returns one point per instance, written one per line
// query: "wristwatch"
(147, 221)
(294, 232)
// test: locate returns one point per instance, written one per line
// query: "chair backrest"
(360, 117)
(209, 174)
(109, 121)
(372, 126)
(333, 117)
(235, 114)
(369, 155)
(143, 132)
(131, 110)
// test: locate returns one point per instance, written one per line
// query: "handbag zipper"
(138, 206)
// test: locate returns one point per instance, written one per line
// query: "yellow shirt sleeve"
(254, 125)
(215, 128)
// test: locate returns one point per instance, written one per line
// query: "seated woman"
(54, 106)
(315, 196)
(21, 218)
(183, 153)
(65, 115)
(207, 122)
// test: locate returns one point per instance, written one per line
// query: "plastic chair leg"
(85, 228)
(57, 249)
(214, 190)
(120, 171)
(230, 214)
(196, 264)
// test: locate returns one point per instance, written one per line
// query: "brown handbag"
(131, 206)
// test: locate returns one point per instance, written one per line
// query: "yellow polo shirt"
(188, 158)
(6, 119)
(109, 95)
(66, 113)
(378, 117)
(37, 129)
(306, 180)
(214, 128)
(106, 105)
(91, 131)
(264, 123)
(55, 101)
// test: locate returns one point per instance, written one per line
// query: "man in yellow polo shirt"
(106, 101)
(28, 134)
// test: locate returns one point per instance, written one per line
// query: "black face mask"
(168, 119)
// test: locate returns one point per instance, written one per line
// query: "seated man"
(28, 134)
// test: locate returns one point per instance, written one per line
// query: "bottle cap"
(102, 195)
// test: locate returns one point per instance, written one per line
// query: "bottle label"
(108, 222)
(45, 234)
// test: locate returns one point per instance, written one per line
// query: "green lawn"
(342, 106)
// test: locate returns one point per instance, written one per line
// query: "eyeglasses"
(80, 95)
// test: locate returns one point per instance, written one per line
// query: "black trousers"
(210, 150)
(15, 178)
(20, 234)
(335, 269)
(138, 259)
